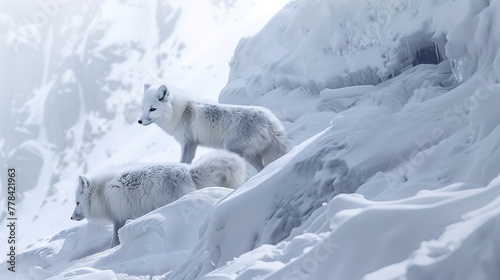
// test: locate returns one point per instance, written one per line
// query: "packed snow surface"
(392, 109)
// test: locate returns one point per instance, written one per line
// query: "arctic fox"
(254, 133)
(132, 191)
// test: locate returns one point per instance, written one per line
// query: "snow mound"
(332, 44)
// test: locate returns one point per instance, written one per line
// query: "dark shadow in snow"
(316, 180)
(427, 55)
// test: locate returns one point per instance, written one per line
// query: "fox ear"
(163, 92)
(83, 183)
(146, 86)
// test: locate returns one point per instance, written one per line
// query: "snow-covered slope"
(419, 149)
(392, 106)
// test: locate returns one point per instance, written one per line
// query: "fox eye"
(152, 109)
(78, 203)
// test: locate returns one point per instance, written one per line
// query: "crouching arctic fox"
(254, 133)
(132, 191)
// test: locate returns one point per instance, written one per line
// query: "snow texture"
(395, 173)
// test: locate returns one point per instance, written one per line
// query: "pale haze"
(390, 107)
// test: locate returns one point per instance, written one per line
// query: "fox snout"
(145, 121)
(76, 217)
(77, 214)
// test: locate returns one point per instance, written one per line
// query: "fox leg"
(256, 162)
(188, 151)
(254, 159)
(115, 241)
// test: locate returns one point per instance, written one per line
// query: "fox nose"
(140, 122)
(71, 218)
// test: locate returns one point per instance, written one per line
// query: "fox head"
(156, 105)
(82, 197)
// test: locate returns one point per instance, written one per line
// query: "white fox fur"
(129, 192)
(254, 133)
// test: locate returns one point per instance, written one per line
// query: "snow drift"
(419, 149)
(392, 106)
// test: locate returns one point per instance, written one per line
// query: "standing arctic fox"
(254, 133)
(132, 191)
